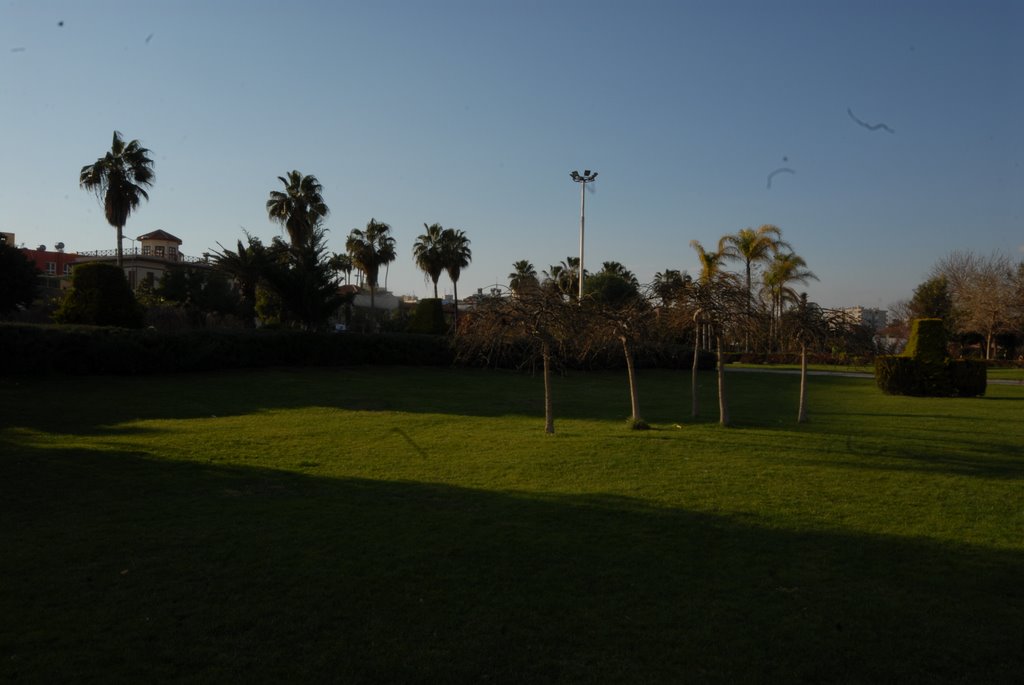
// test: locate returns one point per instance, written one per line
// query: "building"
(875, 319)
(157, 252)
(52, 263)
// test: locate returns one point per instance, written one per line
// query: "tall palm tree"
(119, 179)
(750, 247)
(300, 208)
(427, 253)
(369, 248)
(523, 277)
(455, 256)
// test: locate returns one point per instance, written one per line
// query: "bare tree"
(983, 292)
(499, 326)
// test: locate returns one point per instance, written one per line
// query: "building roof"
(160, 235)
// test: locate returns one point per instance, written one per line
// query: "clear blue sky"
(471, 114)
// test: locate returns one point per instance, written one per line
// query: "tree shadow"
(121, 567)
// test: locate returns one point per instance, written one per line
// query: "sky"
(472, 114)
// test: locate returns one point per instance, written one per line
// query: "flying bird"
(786, 170)
(870, 127)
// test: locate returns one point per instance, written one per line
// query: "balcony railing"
(137, 252)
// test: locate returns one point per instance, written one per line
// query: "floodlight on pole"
(587, 177)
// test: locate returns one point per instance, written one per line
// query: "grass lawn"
(1005, 374)
(416, 525)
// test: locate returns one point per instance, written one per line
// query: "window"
(51, 268)
(172, 252)
(67, 269)
(158, 250)
(146, 249)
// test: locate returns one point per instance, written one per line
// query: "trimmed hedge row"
(923, 370)
(34, 350)
(948, 378)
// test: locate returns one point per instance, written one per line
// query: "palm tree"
(711, 263)
(565, 276)
(342, 264)
(118, 178)
(619, 270)
(750, 247)
(713, 299)
(523, 277)
(669, 284)
(784, 270)
(455, 256)
(369, 248)
(427, 253)
(300, 208)
(247, 267)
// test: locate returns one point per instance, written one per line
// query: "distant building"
(875, 319)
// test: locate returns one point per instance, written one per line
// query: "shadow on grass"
(117, 567)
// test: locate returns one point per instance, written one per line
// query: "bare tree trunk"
(723, 407)
(549, 415)
(801, 415)
(634, 393)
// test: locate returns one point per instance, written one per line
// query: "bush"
(102, 350)
(923, 370)
(428, 319)
(99, 296)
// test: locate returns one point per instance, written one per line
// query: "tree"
(119, 179)
(806, 323)
(18, 276)
(427, 253)
(983, 293)
(669, 286)
(300, 209)
(784, 271)
(302, 279)
(99, 296)
(455, 256)
(541, 315)
(523, 277)
(750, 247)
(617, 308)
(341, 264)
(369, 250)
(932, 300)
(711, 263)
(617, 269)
(246, 266)
(713, 300)
(564, 277)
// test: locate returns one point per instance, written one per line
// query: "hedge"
(923, 370)
(31, 350)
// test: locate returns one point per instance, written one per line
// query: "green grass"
(995, 373)
(416, 525)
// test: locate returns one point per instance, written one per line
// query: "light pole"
(583, 180)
